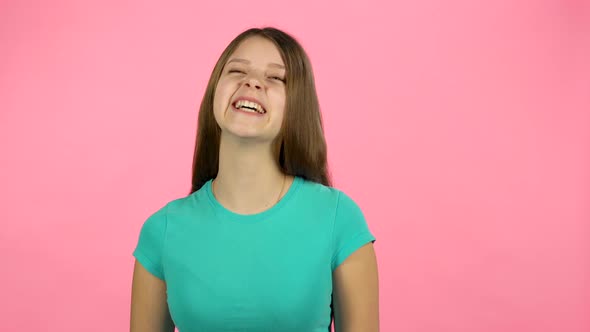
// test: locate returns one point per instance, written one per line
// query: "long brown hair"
(300, 147)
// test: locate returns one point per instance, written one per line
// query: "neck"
(249, 179)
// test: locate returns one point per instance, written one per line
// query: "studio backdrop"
(461, 128)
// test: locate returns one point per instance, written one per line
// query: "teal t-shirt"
(270, 271)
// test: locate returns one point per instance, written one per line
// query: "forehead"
(257, 51)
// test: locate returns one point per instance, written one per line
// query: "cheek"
(224, 91)
(221, 97)
(279, 100)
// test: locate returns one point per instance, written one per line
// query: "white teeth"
(242, 103)
(248, 110)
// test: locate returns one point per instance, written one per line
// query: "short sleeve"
(150, 245)
(350, 230)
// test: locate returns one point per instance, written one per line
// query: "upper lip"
(252, 99)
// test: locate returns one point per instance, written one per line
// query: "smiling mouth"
(247, 111)
(249, 106)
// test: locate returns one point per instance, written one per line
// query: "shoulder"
(332, 195)
(162, 211)
(318, 190)
(160, 217)
(189, 204)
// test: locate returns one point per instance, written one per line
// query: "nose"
(252, 81)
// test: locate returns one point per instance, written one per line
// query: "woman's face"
(249, 99)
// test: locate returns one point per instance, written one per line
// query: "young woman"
(262, 242)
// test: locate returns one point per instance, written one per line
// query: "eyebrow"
(247, 62)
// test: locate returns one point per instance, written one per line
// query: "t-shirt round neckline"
(227, 214)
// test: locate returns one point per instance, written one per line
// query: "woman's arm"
(356, 292)
(149, 308)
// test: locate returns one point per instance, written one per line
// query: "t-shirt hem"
(354, 244)
(147, 264)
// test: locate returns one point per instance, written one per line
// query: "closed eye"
(236, 71)
(277, 78)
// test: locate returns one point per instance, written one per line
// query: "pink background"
(461, 128)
